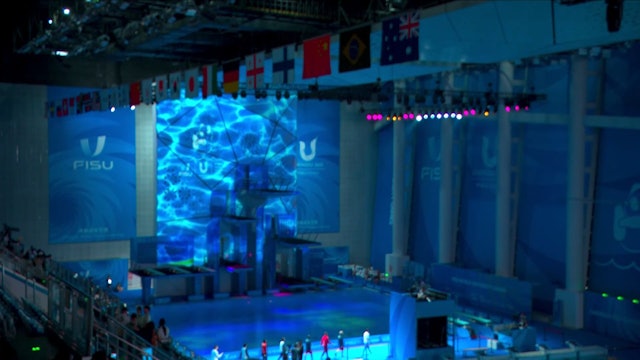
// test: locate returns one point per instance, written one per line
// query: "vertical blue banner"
(382, 220)
(540, 257)
(318, 170)
(425, 215)
(615, 244)
(92, 190)
(476, 240)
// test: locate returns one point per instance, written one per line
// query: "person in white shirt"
(244, 353)
(282, 349)
(163, 334)
(216, 354)
(365, 342)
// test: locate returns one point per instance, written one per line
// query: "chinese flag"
(316, 57)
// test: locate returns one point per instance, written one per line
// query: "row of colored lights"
(424, 116)
(458, 115)
(621, 298)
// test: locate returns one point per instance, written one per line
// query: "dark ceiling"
(177, 32)
(197, 31)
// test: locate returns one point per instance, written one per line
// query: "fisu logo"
(488, 153)
(303, 150)
(93, 165)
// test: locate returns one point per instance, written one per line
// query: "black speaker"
(432, 332)
(614, 15)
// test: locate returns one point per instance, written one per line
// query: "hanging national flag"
(209, 80)
(135, 93)
(283, 65)
(255, 70)
(95, 100)
(72, 105)
(147, 91)
(162, 88)
(400, 39)
(191, 83)
(231, 77)
(123, 96)
(316, 58)
(105, 95)
(58, 108)
(65, 107)
(175, 83)
(355, 49)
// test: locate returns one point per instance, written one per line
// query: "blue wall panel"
(471, 288)
(615, 246)
(476, 241)
(92, 182)
(381, 241)
(540, 251)
(318, 166)
(612, 317)
(423, 228)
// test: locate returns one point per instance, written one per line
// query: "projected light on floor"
(201, 145)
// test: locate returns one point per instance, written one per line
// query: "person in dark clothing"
(307, 347)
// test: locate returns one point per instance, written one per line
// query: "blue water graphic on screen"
(210, 151)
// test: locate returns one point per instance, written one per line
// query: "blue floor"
(231, 322)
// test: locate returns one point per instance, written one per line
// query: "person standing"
(263, 349)
(307, 347)
(283, 349)
(324, 342)
(244, 353)
(216, 354)
(340, 344)
(365, 342)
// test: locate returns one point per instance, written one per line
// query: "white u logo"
(303, 148)
(84, 144)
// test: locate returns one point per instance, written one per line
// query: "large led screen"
(213, 154)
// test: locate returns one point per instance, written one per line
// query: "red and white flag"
(175, 84)
(191, 83)
(147, 91)
(255, 70)
(162, 88)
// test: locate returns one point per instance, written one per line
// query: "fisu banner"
(615, 246)
(92, 190)
(318, 168)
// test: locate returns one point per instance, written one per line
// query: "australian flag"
(400, 39)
